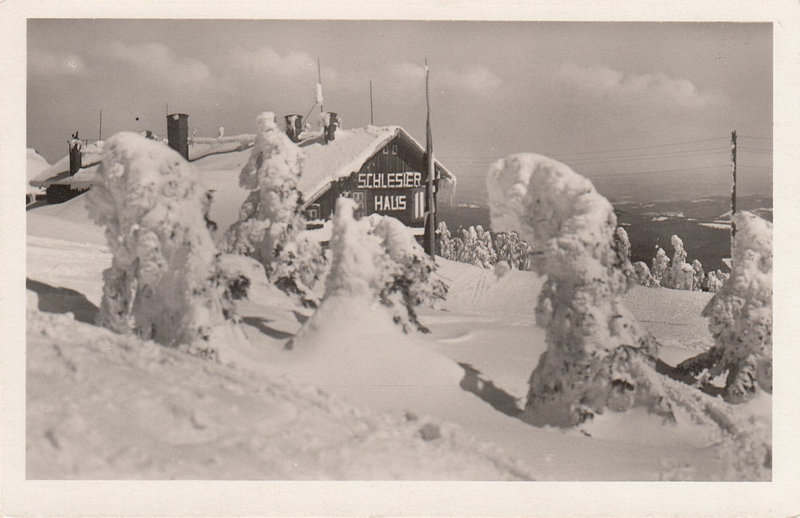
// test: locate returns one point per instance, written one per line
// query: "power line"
(575, 155)
(604, 159)
(642, 173)
(755, 150)
(758, 138)
(642, 147)
(695, 153)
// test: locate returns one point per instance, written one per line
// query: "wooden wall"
(391, 182)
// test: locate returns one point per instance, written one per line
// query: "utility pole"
(733, 189)
(430, 222)
(371, 116)
(100, 133)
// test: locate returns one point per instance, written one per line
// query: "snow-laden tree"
(271, 220)
(376, 260)
(661, 269)
(164, 282)
(473, 245)
(485, 253)
(622, 248)
(681, 274)
(598, 356)
(698, 275)
(643, 275)
(740, 316)
(512, 249)
(360, 266)
(468, 251)
(445, 245)
(715, 280)
(412, 283)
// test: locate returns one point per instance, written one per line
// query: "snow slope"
(104, 406)
(468, 378)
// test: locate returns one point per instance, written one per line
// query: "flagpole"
(430, 220)
(319, 80)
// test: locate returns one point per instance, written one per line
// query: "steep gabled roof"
(326, 163)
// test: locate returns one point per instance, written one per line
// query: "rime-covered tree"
(444, 241)
(412, 283)
(715, 280)
(485, 253)
(164, 282)
(512, 249)
(643, 275)
(376, 260)
(598, 356)
(270, 219)
(622, 249)
(740, 317)
(661, 270)
(698, 275)
(681, 273)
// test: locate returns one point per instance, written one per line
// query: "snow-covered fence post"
(270, 219)
(598, 356)
(740, 316)
(164, 280)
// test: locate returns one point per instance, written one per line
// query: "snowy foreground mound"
(102, 405)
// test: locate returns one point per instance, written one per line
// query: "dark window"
(312, 211)
(394, 149)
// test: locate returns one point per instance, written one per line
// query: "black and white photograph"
(390, 248)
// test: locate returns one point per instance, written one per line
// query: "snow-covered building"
(382, 168)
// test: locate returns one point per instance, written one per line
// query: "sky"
(642, 109)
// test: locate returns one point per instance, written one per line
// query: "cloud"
(474, 80)
(267, 60)
(406, 71)
(48, 63)
(157, 62)
(602, 81)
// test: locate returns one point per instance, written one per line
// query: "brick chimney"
(178, 133)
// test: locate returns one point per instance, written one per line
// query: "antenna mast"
(319, 80)
(371, 116)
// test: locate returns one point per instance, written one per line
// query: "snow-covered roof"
(58, 173)
(346, 154)
(36, 163)
(324, 163)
